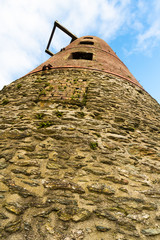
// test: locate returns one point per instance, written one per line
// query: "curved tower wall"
(79, 152)
(90, 53)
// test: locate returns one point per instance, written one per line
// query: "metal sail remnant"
(57, 24)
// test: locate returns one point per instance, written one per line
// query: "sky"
(130, 27)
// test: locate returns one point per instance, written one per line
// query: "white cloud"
(142, 6)
(25, 27)
(149, 37)
(113, 16)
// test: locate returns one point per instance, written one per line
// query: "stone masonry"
(79, 158)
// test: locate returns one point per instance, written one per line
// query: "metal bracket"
(57, 24)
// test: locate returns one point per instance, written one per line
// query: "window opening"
(87, 43)
(81, 55)
(88, 37)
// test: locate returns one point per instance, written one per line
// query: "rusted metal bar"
(57, 24)
(50, 39)
(49, 52)
(74, 37)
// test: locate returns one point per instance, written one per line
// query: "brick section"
(104, 59)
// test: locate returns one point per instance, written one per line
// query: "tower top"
(88, 52)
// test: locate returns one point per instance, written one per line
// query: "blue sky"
(130, 27)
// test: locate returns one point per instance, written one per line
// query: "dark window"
(81, 55)
(87, 42)
(88, 37)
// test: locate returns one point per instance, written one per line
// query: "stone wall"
(79, 158)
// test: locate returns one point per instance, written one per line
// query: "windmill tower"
(79, 149)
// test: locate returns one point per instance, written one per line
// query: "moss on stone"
(5, 101)
(19, 85)
(93, 145)
(45, 124)
(40, 115)
(59, 114)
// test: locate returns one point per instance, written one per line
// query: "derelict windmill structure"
(79, 149)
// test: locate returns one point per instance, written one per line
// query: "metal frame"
(57, 24)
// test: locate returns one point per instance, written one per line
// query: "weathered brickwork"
(79, 158)
(103, 59)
